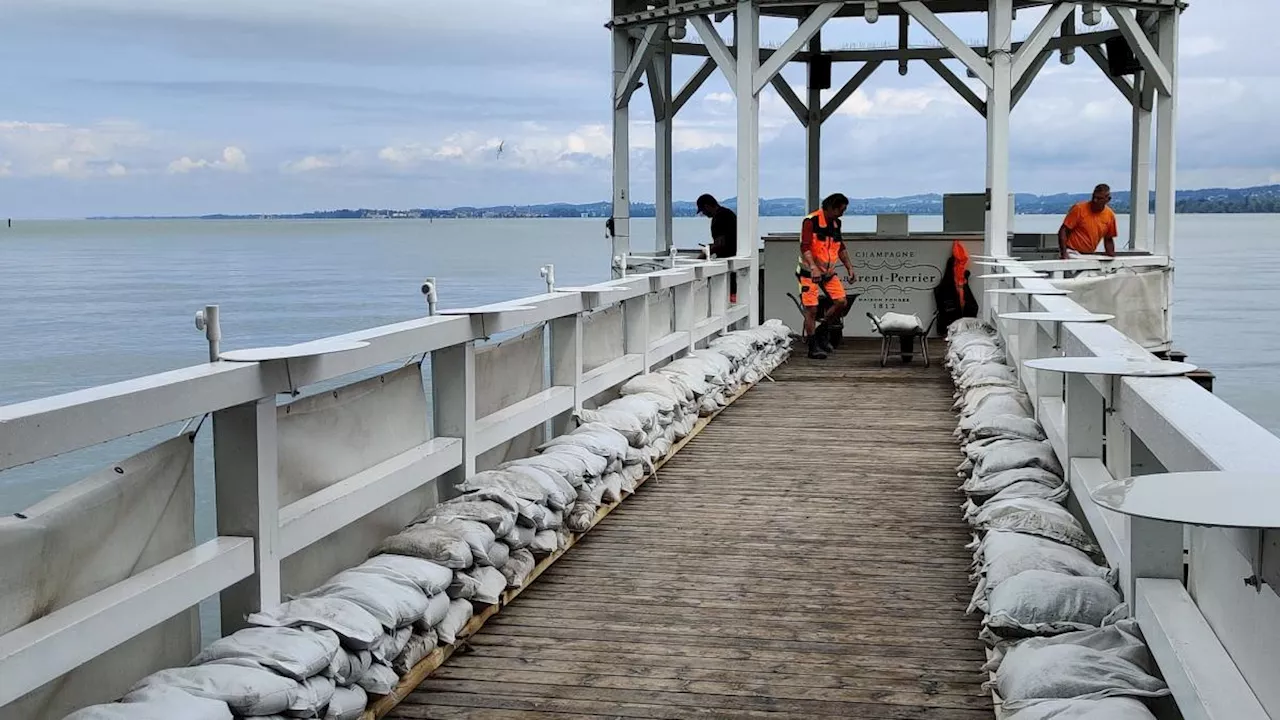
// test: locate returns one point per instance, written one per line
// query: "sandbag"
(499, 518)
(980, 487)
(595, 464)
(1034, 517)
(454, 621)
(625, 423)
(546, 541)
(559, 491)
(355, 626)
(572, 469)
(380, 680)
(348, 667)
(394, 602)
(518, 568)
(646, 410)
(1108, 662)
(996, 403)
(430, 577)
(1042, 602)
(596, 438)
(1008, 426)
(1056, 495)
(157, 703)
(437, 608)
(499, 554)
(436, 543)
(518, 485)
(655, 384)
(491, 584)
(348, 703)
(421, 644)
(1113, 708)
(1011, 454)
(388, 647)
(521, 536)
(1001, 555)
(247, 688)
(296, 653)
(612, 488)
(479, 538)
(892, 322)
(317, 692)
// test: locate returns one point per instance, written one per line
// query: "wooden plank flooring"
(802, 557)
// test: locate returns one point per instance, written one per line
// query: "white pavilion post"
(813, 134)
(663, 113)
(999, 102)
(621, 150)
(1166, 136)
(747, 34)
(1140, 170)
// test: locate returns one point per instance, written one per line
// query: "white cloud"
(533, 147)
(233, 160)
(59, 149)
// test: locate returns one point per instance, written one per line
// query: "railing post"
(635, 318)
(566, 363)
(453, 407)
(1155, 548)
(1082, 427)
(247, 498)
(682, 296)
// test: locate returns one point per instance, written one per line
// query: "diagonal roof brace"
(1029, 51)
(965, 54)
(643, 53)
(1142, 47)
(717, 48)
(810, 27)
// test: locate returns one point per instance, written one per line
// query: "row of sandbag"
(323, 654)
(1062, 644)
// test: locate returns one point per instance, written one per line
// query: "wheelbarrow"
(906, 340)
(824, 304)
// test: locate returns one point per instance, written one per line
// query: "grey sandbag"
(247, 688)
(518, 568)
(1042, 602)
(1011, 454)
(559, 491)
(421, 644)
(437, 608)
(1008, 426)
(348, 667)
(1001, 555)
(431, 577)
(569, 467)
(624, 422)
(490, 582)
(437, 543)
(317, 691)
(380, 680)
(596, 438)
(518, 485)
(395, 602)
(388, 647)
(454, 621)
(1108, 662)
(499, 518)
(293, 652)
(595, 464)
(356, 628)
(1034, 517)
(521, 536)
(479, 538)
(348, 703)
(1112, 708)
(157, 703)
(547, 541)
(1015, 484)
(499, 554)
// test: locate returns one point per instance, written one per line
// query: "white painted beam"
(847, 90)
(949, 40)
(621, 156)
(959, 86)
(453, 408)
(659, 74)
(610, 375)
(715, 46)
(788, 49)
(496, 428)
(1152, 61)
(747, 31)
(1166, 139)
(792, 100)
(692, 85)
(325, 512)
(1031, 48)
(813, 131)
(45, 649)
(1140, 166)
(640, 58)
(669, 344)
(999, 106)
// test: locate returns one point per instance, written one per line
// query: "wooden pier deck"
(802, 557)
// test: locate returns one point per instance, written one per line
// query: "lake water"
(91, 302)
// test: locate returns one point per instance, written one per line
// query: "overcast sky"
(194, 106)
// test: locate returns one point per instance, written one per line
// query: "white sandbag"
(666, 405)
(317, 692)
(437, 608)
(1029, 489)
(595, 464)
(573, 469)
(439, 544)
(347, 666)
(1001, 555)
(1034, 517)
(518, 485)
(604, 440)
(490, 582)
(892, 322)
(542, 518)
(388, 647)
(499, 554)
(580, 518)
(1042, 602)
(395, 602)
(1113, 708)
(348, 703)
(979, 487)
(1008, 426)
(546, 541)
(1012, 454)
(454, 621)
(995, 402)
(247, 688)
(655, 384)
(519, 537)
(631, 475)
(559, 491)
(296, 653)
(519, 568)
(612, 488)
(430, 577)
(626, 423)
(646, 410)
(355, 626)
(479, 538)
(421, 644)
(498, 517)
(380, 680)
(157, 703)
(1088, 665)
(717, 366)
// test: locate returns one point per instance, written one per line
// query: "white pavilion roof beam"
(792, 100)
(1142, 47)
(810, 27)
(949, 40)
(640, 59)
(691, 86)
(959, 86)
(717, 48)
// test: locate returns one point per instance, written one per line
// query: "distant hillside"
(1262, 199)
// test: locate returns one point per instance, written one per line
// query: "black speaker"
(1120, 58)
(820, 72)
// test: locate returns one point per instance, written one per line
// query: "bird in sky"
(501, 144)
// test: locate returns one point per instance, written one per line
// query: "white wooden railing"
(242, 564)
(1213, 635)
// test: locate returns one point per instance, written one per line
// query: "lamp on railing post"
(549, 274)
(207, 320)
(429, 290)
(620, 265)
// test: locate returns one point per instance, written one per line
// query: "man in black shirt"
(724, 236)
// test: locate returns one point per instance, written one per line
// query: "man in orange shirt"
(821, 247)
(1088, 222)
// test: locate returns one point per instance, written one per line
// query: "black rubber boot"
(815, 352)
(820, 336)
